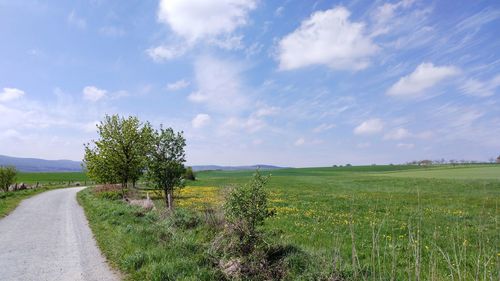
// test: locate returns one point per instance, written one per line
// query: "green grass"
(391, 226)
(54, 178)
(479, 172)
(147, 247)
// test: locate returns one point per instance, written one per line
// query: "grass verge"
(148, 246)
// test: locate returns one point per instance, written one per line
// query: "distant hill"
(40, 165)
(233, 168)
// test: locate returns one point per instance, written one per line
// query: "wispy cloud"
(425, 76)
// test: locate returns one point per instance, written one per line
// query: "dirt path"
(47, 237)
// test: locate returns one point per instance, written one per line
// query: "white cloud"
(267, 111)
(75, 20)
(299, 142)
(219, 85)
(279, 11)
(9, 94)
(250, 125)
(112, 31)
(90, 127)
(384, 14)
(177, 85)
(228, 43)
(397, 134)
(364, 145)
(327, 38)
(369, 127)
(474, 87)
(200, 120)
(257, 142)
(323, 127)
(93, 94)
(163, 52)
(406, 145)
(201, 19)
(425, 76)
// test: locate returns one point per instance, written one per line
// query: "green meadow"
(351, 223)
(52, 178)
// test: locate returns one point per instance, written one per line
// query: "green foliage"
(184, 219)
(119, 155)
(246, 208)
(189, 174)
(165, 165)
(7, 177)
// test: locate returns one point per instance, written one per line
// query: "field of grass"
(52, 178)
(450, 172)
(348, 221)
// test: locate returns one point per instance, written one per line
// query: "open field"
(449, 172)
(53, 178)
(346, 221)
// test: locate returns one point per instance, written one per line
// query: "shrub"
(7, 177)
(189, 174)
(246, 209)
(184, 219)
(108, 191)
(239, 250)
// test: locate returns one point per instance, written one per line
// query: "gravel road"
(47, 238)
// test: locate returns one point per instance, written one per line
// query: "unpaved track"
(47, 238)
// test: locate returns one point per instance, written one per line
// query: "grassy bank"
(155, 246)
(340, 220)
(147, 246)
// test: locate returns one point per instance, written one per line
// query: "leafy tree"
(165, 166)
(189, 174)
(7, 177)
(120, 153)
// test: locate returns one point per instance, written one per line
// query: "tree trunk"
(123, 189)
(169, 199)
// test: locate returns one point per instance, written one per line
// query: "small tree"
(120, 153)
(7, 177)
(189, 174)
(165, 166)
(246, 209)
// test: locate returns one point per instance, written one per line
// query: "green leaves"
(247, 205)
(165, 165)
(7, 177)
(120, 153)
(127, 148)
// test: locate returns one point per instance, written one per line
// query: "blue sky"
(296, 83)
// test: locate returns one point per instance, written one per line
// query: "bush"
(246, 209)
(183, 219)
(7, 177)
(240, 250)
(108, 191)
(189, 174)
